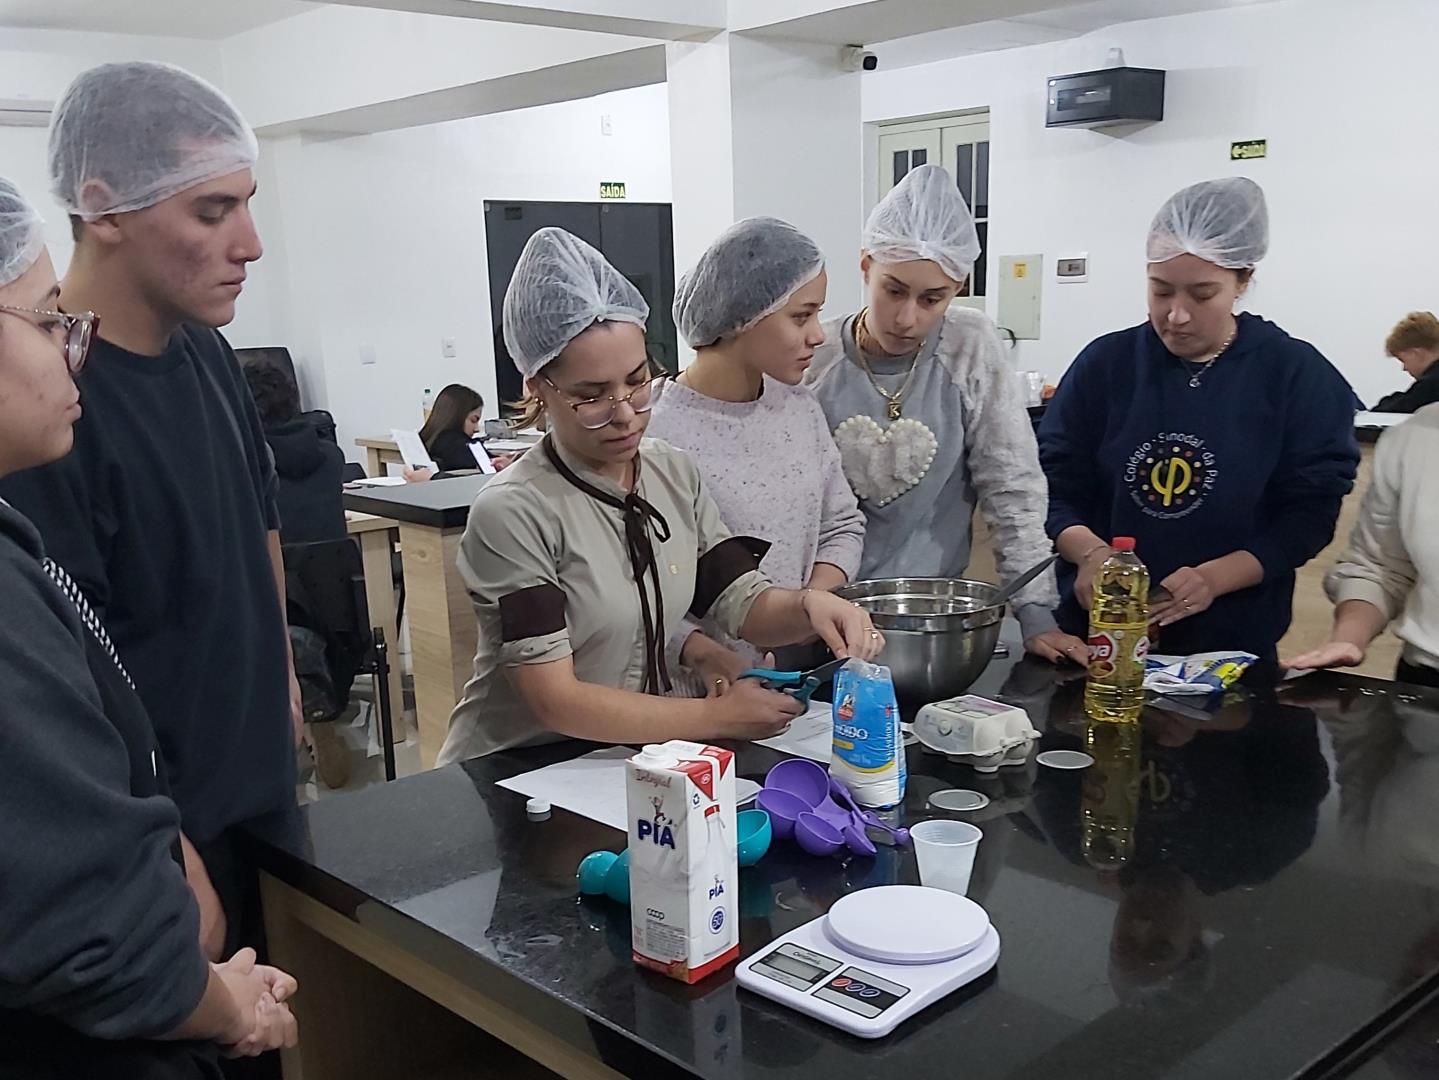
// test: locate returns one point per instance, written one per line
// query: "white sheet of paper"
(810, 735)
(592, 786)
(412, 449)
(378, 481)
(482, 459)
(509, 446)
(1379, 419)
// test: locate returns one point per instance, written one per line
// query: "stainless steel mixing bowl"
(939, 633)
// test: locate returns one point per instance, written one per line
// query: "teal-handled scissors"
(799, 685)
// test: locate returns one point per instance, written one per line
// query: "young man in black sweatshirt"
(164, 513)
(101, 971)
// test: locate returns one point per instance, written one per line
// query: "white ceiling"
(167, 18)
(1058, 24)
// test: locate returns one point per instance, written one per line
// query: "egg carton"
(975, 731)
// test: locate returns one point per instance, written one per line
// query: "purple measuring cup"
(867, 817)
(816, 835)
(823, 826)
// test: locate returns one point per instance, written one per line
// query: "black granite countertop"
(1281, 899)
(442, 504)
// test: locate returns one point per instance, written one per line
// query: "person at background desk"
(583, 556)
(1391, 568)
(449, 433)
(101, 969)
(1414, 342)
(750, 309)
(164, 513)
(927, 412)
(309, 468)
(1222, 444)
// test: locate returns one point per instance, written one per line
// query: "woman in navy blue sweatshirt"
(1222, 444)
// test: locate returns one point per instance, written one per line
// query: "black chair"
(325, 593)
(352, 471)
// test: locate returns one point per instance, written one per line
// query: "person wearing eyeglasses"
(101, 969)
(165, 512)
(750, 309)
(582, 557)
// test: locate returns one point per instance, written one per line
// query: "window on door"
(961, 145)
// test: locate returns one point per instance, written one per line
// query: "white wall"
(38, 65)
(1340, 90)
(379, 240)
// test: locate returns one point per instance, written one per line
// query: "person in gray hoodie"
(101, 968)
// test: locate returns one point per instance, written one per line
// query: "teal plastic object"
(755, 832)
(594, 871)
(617, 881)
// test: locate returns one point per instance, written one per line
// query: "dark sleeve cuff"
(721, 566)
(532, 612)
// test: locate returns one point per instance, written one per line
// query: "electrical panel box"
(1021, 278)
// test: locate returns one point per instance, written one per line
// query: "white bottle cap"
(537, 807)
(655, 755)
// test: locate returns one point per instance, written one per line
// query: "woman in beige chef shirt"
(583, 557)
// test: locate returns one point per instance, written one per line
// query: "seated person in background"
(1391, 568)
(582, 558)
(455, 420)
(309, 466)
(750, 309)
(101, 968)
(1414, 342)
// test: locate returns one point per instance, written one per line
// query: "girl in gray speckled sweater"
(750, 308)
(927, 413)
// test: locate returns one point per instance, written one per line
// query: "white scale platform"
(879, 956)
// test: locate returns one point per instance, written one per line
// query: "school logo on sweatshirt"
(1169, 475)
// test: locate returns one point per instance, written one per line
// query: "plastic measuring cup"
(945, 850)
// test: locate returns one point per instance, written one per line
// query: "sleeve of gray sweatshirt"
(97, 926)
(1004, 466)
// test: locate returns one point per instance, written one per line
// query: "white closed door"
(964, 152)
(902, 150)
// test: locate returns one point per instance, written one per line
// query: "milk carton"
(683, 868)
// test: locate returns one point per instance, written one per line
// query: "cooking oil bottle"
(1109, 807)
(1118, 637)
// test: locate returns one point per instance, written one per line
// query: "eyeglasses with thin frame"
(595, 413)
(79, 332)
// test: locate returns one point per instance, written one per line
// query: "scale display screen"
(796, 967)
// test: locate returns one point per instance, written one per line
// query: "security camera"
(858, 58)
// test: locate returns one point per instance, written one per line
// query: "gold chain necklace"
(1197, 371)
(894, 402)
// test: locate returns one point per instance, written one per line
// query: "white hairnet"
(127, 136)
(749, 273)
(1225, 222)
(924, 217)
(21, 236)
(560, 288)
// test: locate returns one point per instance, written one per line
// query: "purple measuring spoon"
(837, 789)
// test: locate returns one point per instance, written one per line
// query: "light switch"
(448, 348)
(367, 355)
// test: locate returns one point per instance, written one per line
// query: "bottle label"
(1102, 650)
(1141, 648)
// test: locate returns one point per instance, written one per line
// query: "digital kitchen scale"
(879, 956)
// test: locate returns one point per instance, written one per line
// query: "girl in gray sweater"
(927, 414)
(750, 309)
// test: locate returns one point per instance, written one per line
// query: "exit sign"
(612, 189)
(1248, 150)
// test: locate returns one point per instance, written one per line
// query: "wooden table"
(380, 451)
(377, 536)
(443, 636)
